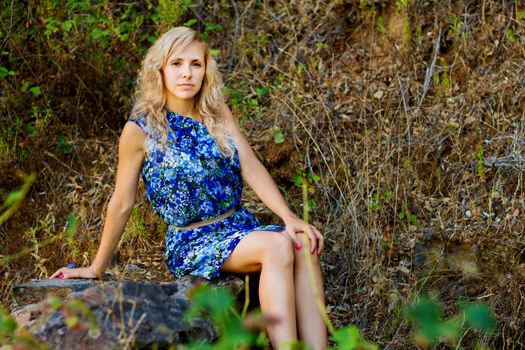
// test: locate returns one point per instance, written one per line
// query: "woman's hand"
(295, 225)
(80, 272)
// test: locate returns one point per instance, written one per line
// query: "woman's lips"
(186, 85)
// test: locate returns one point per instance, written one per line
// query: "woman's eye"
(197, 64)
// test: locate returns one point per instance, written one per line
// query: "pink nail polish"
(297, 245)
(61, 276)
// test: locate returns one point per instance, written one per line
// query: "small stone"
(378, 94)
(403, 269)
(468, 214)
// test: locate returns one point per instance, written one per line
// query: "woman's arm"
(131, 155)
(258, 178)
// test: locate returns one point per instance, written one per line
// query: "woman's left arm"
(258, 178)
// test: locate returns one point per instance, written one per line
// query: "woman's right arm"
(132, 149)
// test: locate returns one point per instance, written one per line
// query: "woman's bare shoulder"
(133, 137)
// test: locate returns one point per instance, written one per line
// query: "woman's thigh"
(252, 250)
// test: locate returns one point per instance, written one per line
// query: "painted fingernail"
(61, 276)
(297, 245)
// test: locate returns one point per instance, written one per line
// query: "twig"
(246, 295)
(513, 163)
(231, 62)
(428, 75)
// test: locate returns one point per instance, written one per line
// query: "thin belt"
(204, 223)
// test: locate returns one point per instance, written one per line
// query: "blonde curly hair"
(150, 96)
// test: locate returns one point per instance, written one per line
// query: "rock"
(420, 256)
(378, 94)
(37, 290)
(129, 314)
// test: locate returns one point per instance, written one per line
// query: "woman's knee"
(278, 249)
(305, 246)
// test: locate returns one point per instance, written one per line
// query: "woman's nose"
(186, 71)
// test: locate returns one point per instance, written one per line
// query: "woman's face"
(183, 73)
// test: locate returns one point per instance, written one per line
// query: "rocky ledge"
(128, 313)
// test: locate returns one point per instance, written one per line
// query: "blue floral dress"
(190, 181)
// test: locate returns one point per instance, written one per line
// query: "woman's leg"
(310, 323)
(272, 254)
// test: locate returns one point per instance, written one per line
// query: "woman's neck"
(183, 107)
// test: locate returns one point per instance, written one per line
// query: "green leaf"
(262, 91)
(347, 338)
(278, 137)
(8, 325)
(36, 91)
(425, 311)
(380, 25)
(97, 33)
(25, 86)
(298, 181)
(66, 26)
(71, 226)
(190, 22)
(72, 321)
(30, 128)
(520, 15)
(480, 318)
(4, 72)
(55, 302)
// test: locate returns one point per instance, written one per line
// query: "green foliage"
(70, 236)
(12, 334)
(380, 25)
(170, 12)
(457, 31)
(445, 80)
(278, 136)
(248, 101)
(349, 338)
(8, 139)
(520, 15)
(405, 214)
(375, 202)
(426, 314)
(401, 5)
(419, 36)
(366, 5)
(8, 326)
(217, 304)
(14, 199)
(306, 181)
(442, 82)
(511, 36)
(4, 72)
(210, 28)
(63, 146)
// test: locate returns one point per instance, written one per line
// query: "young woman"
(185, 142)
